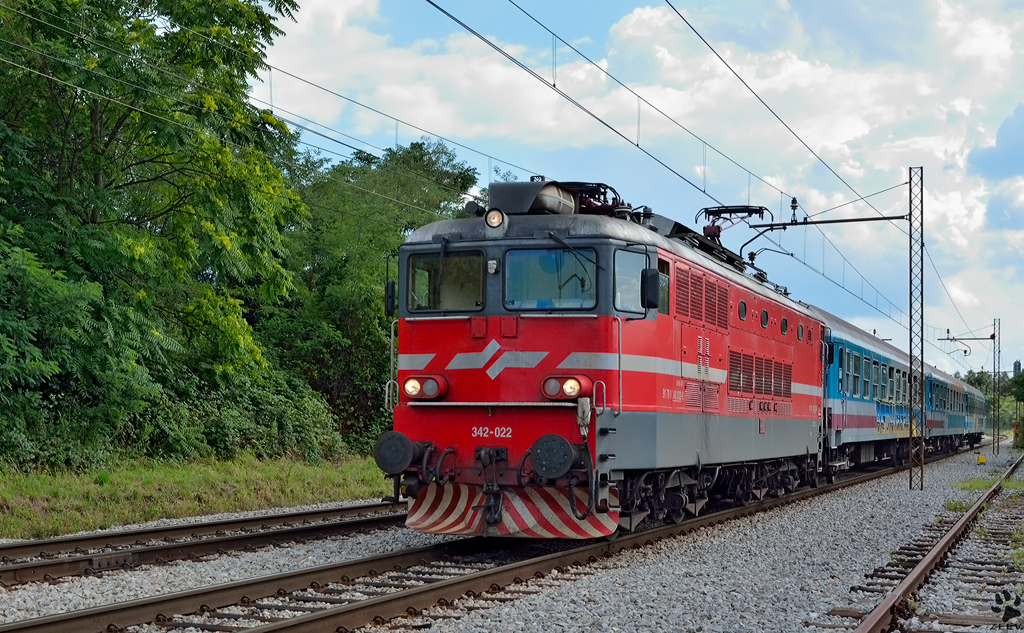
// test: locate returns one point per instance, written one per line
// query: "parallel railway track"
(48, 560)
(933, 553)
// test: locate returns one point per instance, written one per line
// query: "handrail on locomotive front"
(619, 321)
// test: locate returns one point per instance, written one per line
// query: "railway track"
(349, 595)
(974, 552)
(51, 559)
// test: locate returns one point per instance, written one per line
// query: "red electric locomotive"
(568, 365)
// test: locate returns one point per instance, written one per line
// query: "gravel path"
(768, 572)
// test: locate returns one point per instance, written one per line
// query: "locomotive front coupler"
(489, 458)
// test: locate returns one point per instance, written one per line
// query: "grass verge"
(46, 505)
(981, 485)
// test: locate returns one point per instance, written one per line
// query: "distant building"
(1016, 368)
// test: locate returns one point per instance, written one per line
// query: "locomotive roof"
(593, 226)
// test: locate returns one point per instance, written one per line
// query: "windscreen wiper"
(574, 252)
(440, 270)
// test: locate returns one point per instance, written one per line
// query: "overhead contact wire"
(568, 98)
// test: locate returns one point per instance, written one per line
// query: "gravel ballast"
(768, 572)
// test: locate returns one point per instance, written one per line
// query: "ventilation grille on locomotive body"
(757, 376)
(702, 299)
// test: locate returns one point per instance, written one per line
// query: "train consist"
(568, 366)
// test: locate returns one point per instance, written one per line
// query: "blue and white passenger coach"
(867, 400)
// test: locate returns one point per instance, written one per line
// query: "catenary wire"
(802, 142)
(568, 98)
(265, 64)
(670, 118)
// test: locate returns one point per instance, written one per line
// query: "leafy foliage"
(137, 195)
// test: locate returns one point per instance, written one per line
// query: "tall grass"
(45, 505)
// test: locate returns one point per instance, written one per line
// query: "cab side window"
(663, 294)
(628, 267)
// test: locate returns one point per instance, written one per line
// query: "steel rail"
(52, 568)
(121, 615)
(50, 547)
(881, 617)
(118, 616)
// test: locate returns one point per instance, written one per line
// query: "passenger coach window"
(628, 266)
(447, 280)
(856, 374)
(867, 378)
(553, 278)
(891, 394)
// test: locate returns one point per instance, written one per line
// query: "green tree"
(980, 380)
(137, 196)
(332, 330)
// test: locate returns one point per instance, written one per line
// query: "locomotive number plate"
(487, 431)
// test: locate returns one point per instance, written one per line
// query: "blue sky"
(873, 87)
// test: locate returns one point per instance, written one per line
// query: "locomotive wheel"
(675, 516)
(744, 495)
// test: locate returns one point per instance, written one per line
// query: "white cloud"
(985, 40)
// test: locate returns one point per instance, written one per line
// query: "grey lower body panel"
(648, 440)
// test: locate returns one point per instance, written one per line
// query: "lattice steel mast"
(918, 424)
(995, 386)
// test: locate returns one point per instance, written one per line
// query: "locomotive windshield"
(452, 281)
(550, 278)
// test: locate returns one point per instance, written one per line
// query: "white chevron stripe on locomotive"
(455, 508)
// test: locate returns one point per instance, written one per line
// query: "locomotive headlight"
(412, 387)
(430, 387)
(571, 387)
(494, 218)
(551, 387)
